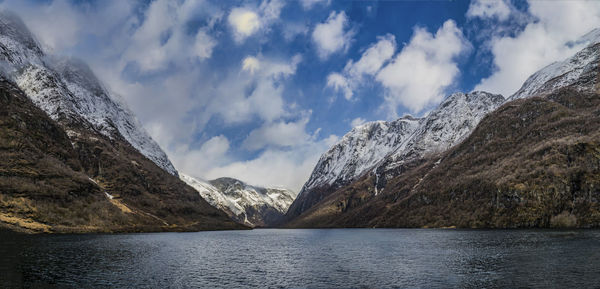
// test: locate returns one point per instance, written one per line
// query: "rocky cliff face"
(248, 205)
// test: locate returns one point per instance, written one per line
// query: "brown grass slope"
(45, 181)
(531, 163)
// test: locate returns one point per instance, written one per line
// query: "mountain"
(66, 88)
(578, 71)
(424, 182)
(533, 162)
(382, 148)
(74, 159)
(249, 205)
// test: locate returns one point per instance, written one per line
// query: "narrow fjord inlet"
(299, 144)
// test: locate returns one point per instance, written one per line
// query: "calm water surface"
(346, 258)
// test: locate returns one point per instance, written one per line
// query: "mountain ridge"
(250, 205)
(428, 143)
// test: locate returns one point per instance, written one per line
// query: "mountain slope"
(67, 90)
(249, 205)
(53, 182)
(532, 163)
(72, 156)
(385, 151)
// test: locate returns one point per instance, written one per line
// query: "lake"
(337, 258)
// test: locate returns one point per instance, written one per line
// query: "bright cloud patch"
(244, 22)
(541, 42)
(251, 64)
(340, 83)
(204, 45)
(308, 4)
(370, 63)
(289, 168)
(333, 35)
(426, 66)
(357, 121)
(278, 134)
(489, 9)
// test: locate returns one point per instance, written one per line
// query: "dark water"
(344, 258)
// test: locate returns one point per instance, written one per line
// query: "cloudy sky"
(258, 90)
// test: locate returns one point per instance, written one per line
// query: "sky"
(258, 90)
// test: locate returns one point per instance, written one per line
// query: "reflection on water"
(358, 258)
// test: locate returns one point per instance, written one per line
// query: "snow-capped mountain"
(359, 150)
(67, 90)
(450, 123)
(578, 70)
(446, 126)
(380, 147)
(368, 145)
(250, 205)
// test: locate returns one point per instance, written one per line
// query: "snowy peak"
(579, 71)
(451, 122)
(251, 205)
(17, 44)
(369, 145)
(359, 150)
(106, 111)
(67, 90)
(380, 147)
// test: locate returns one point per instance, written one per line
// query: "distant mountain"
(75, 159)
(423, 183)
(249, 205)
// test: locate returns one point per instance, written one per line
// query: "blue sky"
(257, 90)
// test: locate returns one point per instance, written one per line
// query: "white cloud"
(246, 21)
(250, 64)
(373, 58)
(58, 24)
(543, 41)
(340, 83)
(426, 66)
(256, 92)
(357, 121)
(499, 9)
(369, 63)
(212, 153)
(204, 45)
(332, 35)
(162, 38)
(278, 134)
(277, 167)
(309, 4)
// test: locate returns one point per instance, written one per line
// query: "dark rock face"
(531, 163)
(83, 181)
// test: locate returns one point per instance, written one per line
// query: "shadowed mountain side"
(79, 180)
